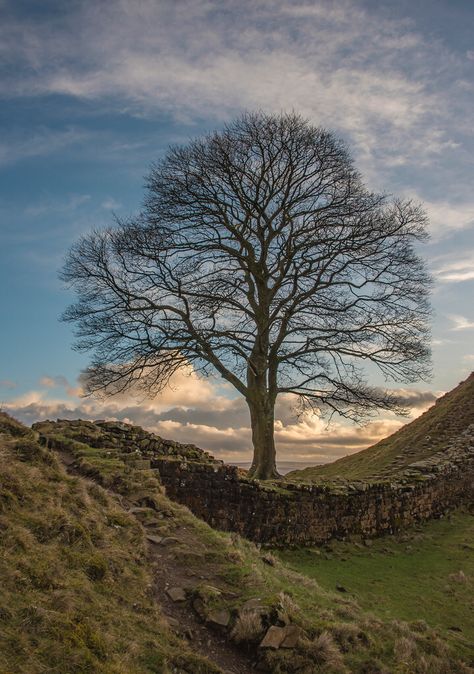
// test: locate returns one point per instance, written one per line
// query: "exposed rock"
(219, 617)
(169, 540)
(154, 539)
(292, 636)
(281, 637)
(176, 594)
(273, 638)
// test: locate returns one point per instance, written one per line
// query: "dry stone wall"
(286, 514)
(299, 514)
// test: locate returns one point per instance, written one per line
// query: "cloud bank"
(198, 411)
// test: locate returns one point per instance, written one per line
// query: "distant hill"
(452, 414)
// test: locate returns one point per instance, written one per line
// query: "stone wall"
(283, 514)
(298, 514)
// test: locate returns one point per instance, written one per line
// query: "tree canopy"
(259, 255)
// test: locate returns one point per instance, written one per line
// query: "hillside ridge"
(424, 438)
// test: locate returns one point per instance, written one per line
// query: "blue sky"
(93, 92)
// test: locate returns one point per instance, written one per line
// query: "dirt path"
(168, 573)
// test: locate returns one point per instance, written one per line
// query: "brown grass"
(247, 628)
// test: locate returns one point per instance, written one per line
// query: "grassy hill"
(418, 440)
(75, 592)
(117, 579)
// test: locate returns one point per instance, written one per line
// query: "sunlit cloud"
(194, 410)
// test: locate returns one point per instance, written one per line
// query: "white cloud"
(341, 65)
(446, 216)
(461, 268)
(461, 322)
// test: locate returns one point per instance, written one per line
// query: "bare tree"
(259, 255)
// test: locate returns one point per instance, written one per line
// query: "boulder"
(281, 637)
(273, 638)
(292, 636)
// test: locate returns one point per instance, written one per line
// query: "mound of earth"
(450, 418)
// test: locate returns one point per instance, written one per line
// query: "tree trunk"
(262, 418)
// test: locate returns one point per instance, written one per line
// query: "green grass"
(418, 440)
(410, 577)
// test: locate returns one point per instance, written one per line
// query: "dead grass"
(324, 651)
(248, 628)
(78, 587)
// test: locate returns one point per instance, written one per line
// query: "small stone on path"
(176, 594)
(169, 540)
(154, 539)
(219, 617)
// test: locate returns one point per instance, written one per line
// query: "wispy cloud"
(111, 204)
(461, 322)
(39, 143)
(446, 216)
(459, 269)
(339, 64)
(67, 204)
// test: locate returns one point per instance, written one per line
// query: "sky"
(93, 92)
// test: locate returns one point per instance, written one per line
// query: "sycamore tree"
(261, 256)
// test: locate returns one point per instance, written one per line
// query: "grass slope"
(418, 440)
(75, 591)
(81, 591)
